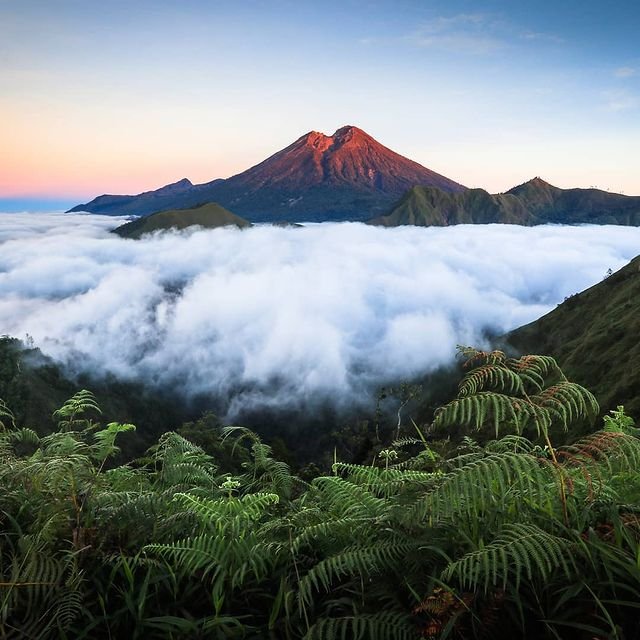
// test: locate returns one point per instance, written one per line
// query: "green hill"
(571, 206)
(534, 202)
(430, 206)
(210, 216)
(594, 337)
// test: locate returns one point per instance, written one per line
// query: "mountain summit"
(349, 158)
(346, 176)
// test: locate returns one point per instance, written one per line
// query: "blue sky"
(106, 97)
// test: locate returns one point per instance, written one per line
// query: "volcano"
(346, 176)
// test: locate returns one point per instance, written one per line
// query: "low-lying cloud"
(283, 317)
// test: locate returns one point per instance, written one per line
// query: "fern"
(520, 550)
(471, 489)
(71, 414)
(494, 377)
(104, 446)
(7, 419)
(386, 482)
(516, 394)
(374, 626)
(361, 561)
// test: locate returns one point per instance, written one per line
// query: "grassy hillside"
(534, 202)
(594, 337)
(210, 215)
(570, 206)
(429, 206)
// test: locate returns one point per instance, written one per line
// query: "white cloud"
(625, 72)
(271, 317)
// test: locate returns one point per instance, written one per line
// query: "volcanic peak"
(342, 136)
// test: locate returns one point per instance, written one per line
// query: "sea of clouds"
(283, 318)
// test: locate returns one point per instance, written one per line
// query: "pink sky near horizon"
(47, 167)
(127, 97)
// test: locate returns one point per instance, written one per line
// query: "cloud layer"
(282, 318)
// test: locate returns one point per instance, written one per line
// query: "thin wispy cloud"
(540, 36)
(625, 72)
(463, 33)
(469, 33)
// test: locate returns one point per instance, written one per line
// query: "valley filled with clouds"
(283, 318)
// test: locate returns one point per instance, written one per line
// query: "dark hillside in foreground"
(34, 386)
(595, 336)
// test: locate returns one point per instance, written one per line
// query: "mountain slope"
(160, 199)
(429, 206)
(534, 202)
(594, 336)
(346, 176)
(209, 215)
(570, 206)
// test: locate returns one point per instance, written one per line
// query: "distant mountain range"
(346, 176)
(351, 176)
(209, 216)
(594, 337)
(534, 202)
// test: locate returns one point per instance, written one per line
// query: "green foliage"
(503, 538)
(71, 415)
(619, 421)
(524, 395)
(7, 418)
(520, 550)
(594, 338)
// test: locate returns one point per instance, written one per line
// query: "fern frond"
(476, 358)
(348, 498)
(7, 419)
(491, 377)
(104, 446)
(611, 449)
(333, 530)
(71, 412)
(361, 561)
(375, 626)
(386, 482)
(536, 370)
(520, 550)
(479, 484)
(568, 402)
(494, 409)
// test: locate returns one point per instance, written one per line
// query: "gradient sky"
(121, 97)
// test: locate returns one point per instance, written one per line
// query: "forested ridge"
(513, 513)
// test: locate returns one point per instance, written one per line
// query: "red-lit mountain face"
(346, 176)
(349, 157)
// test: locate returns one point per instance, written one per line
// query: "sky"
(122, 97)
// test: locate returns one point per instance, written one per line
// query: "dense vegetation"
(594, 337)
(476, 526)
